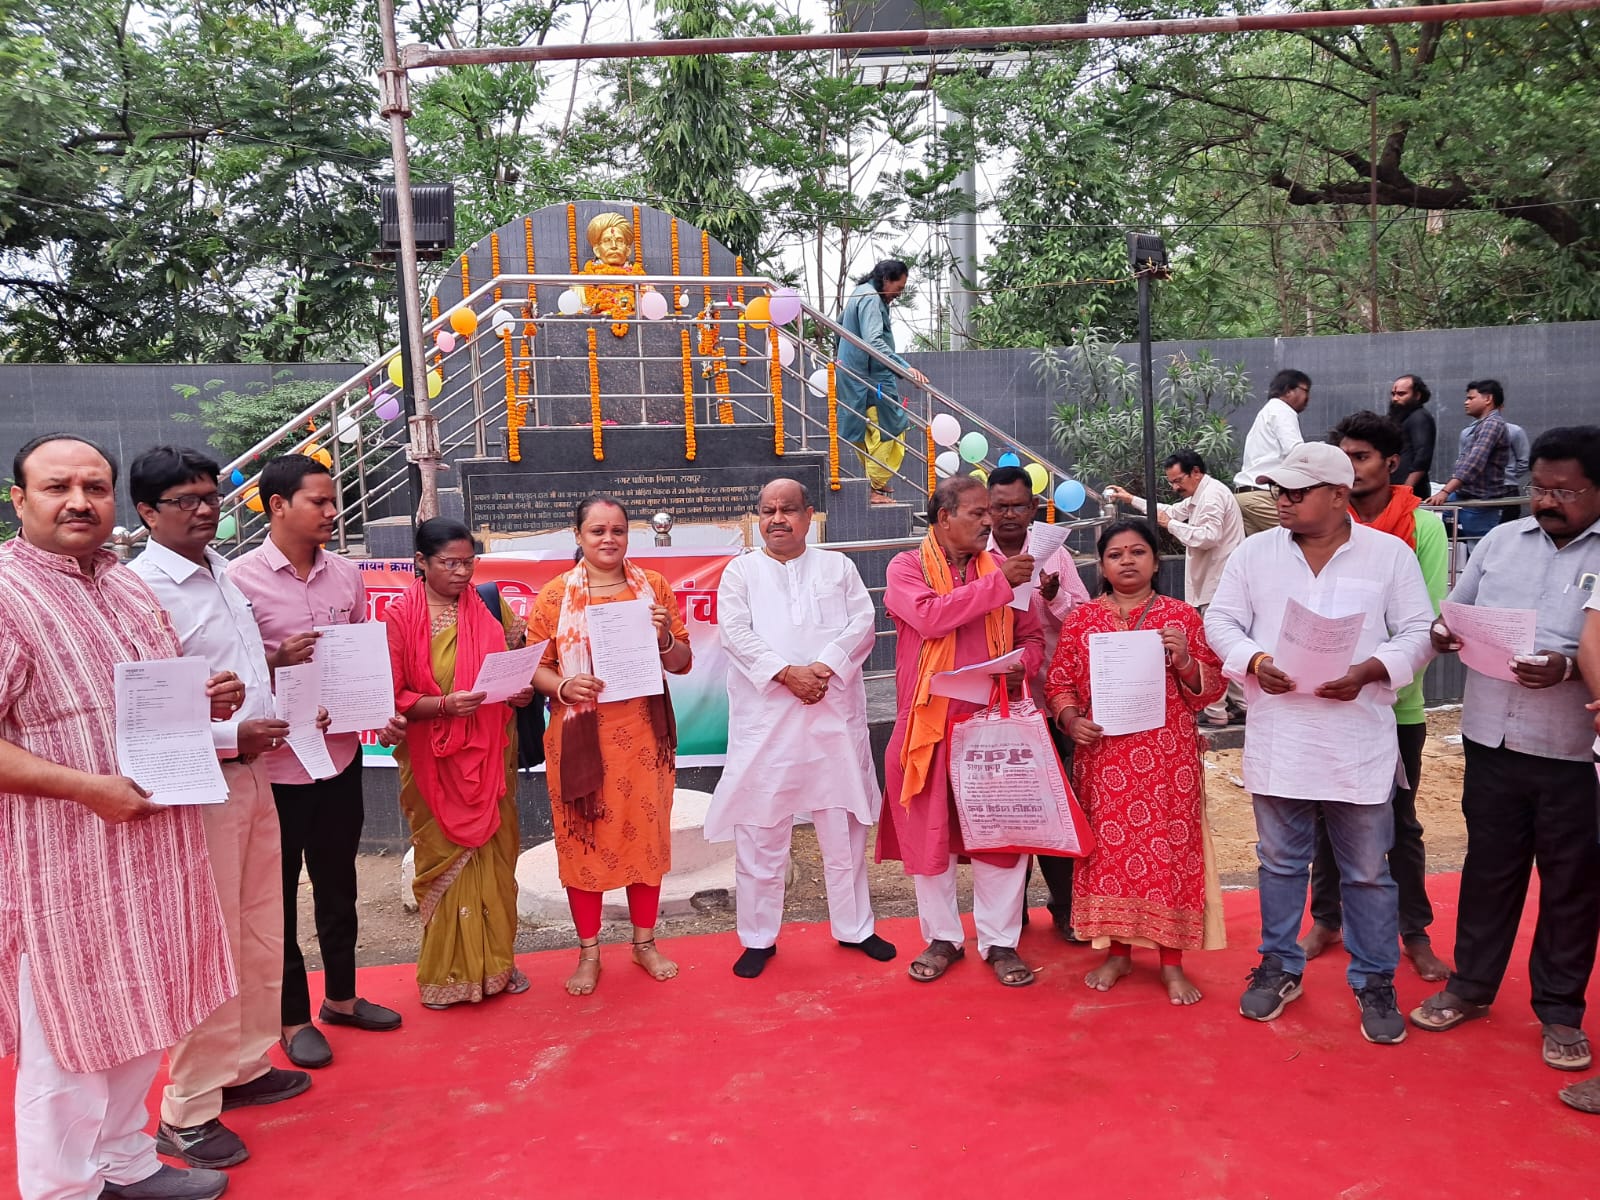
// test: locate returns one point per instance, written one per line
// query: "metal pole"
(1147, 397)
(424, 450)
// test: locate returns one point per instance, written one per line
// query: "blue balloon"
(237, 477)
(1009, 459)
(1070, 495)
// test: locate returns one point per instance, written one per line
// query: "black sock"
(874, 948)
(753, 961)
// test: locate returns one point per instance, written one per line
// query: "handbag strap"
(998, 694)
(1143, 613)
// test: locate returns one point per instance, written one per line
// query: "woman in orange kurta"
(610, 766)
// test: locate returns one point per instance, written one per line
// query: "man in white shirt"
(222, 1063)
(797, 624)
(1206, 520)
(1330, 746)
(1275, 432)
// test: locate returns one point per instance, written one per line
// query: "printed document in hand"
(164, 730)
(1490, 637)
(357, 683)
(1127, 681)
(973, 684)
(1043, 541)
(1314, 649)
(625, 650)
(506, 672)
(297, 696)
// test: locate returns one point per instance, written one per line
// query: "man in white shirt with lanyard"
(1331, 747)
(1274, 432)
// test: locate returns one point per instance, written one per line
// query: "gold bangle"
(1255, 661)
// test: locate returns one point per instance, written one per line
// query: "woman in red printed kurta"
(1149, 880)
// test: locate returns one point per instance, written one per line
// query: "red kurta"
(925, 835)
(120, 923)
(1144, 793)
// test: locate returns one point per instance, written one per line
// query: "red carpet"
(835, 1076)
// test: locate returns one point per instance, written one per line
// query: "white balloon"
(947, 464)
(349, 430)
(786, 351)
(652, 306)
(568, 303)
(502, 323)
(818, 383)
(946, 429)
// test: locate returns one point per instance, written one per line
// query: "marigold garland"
(675, 289)
(744, 345)
(705, 261)
(638, 240)
(688, 397)
(833, 429)
(494, 263)
(513, 416)
(1050, 510)
(777, 395)
(466, 278)
(933, 453)
(433, 306)
(716, 364)
(572, 238)
(615, 302)
(594, 396)
(532, 306)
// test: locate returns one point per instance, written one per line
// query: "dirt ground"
(389, 934)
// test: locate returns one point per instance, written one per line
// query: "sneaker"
(171, 1183)
(211, 1144)
(1271, 987)
(1381, 1022)
(277, 1084)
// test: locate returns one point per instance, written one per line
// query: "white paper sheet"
(1313, 649)
(1127, 681)
(297, 694)
(506, 672)
(357, 683)
(973, 684)
(164, 730)
(1490, 637)
(625, 650)
(1043, 541)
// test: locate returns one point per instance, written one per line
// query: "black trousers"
(1055, 870)
(1408, 858)
(1522, 809)
(321, 825)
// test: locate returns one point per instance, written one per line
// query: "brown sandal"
(1565, 1037)
(1445, 1010)
(935, 960)
(1008, 966)
(1585, 1096)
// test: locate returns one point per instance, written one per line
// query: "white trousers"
(77, 1130)
(761, 857)
(996, 904)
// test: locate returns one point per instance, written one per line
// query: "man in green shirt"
(1373, 443)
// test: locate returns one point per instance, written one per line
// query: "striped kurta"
(120, 923)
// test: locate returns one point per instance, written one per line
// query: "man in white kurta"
(797, 625)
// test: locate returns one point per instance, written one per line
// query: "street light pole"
(1147, 255)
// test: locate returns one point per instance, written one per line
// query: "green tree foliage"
(235, 421)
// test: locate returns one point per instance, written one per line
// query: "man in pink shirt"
(1058, 590)
(950, 603)
(295, 588)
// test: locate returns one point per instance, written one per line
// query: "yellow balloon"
(395, 376)
(317, 453)
(464, 321)
(758, 311)
(435, 384)
(1038, 477)
(980, 475)
(252, 500)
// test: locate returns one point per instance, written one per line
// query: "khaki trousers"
(230, 1046)
(1259, 510)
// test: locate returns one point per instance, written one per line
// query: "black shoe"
(277, 1084)
(308, 1048)
(171, 1183)
(874, 947)
(1271, 987)
(211, 1145)
(372, 1017)
(1381, 1022)
(753, 961)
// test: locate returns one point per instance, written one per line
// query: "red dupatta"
(459, 762)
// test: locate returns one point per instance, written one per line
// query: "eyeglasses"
(190, 502)
(1294, 495)
(457, 564)
(1012, 508)
(1559, 495)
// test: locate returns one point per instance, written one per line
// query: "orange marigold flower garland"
(688, 397)
(933, 453)
(777, 394)
(675, 289)
(615, 302)
(594, 397)
(494, 263)
(833, 429)
(1050, 509)
(638, 238)
(705, 261)
(433, 306)
(716, 365)
(466, 278)
(572, 238)
(513, 417)
(744, 346)
(532, 306)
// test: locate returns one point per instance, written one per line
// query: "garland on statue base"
(594, 397)
(615, 302)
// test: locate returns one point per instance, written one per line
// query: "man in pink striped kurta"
(111, 938)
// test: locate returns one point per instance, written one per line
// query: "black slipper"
(753, 961)
(874, 948)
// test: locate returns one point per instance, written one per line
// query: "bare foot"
(1104, 977)
(659, 966)
(586, 978)
(1320, 938)
(1428, 964)
(1179, 989)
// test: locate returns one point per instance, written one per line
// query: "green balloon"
(974, 447)
(227, 527)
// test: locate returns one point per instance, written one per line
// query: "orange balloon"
(758, 311)
(252, 499)
(464, 321)
(316, 452)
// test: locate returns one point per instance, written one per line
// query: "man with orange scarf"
(949, 601)
(1373, 444)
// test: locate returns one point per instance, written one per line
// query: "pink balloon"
(388, 408)
(785, 305)
(445, 340)
(653, 306)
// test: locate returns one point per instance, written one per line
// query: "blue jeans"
(1473, 523)
(1362, 835)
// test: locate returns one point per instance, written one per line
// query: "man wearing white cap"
(1332, 745)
